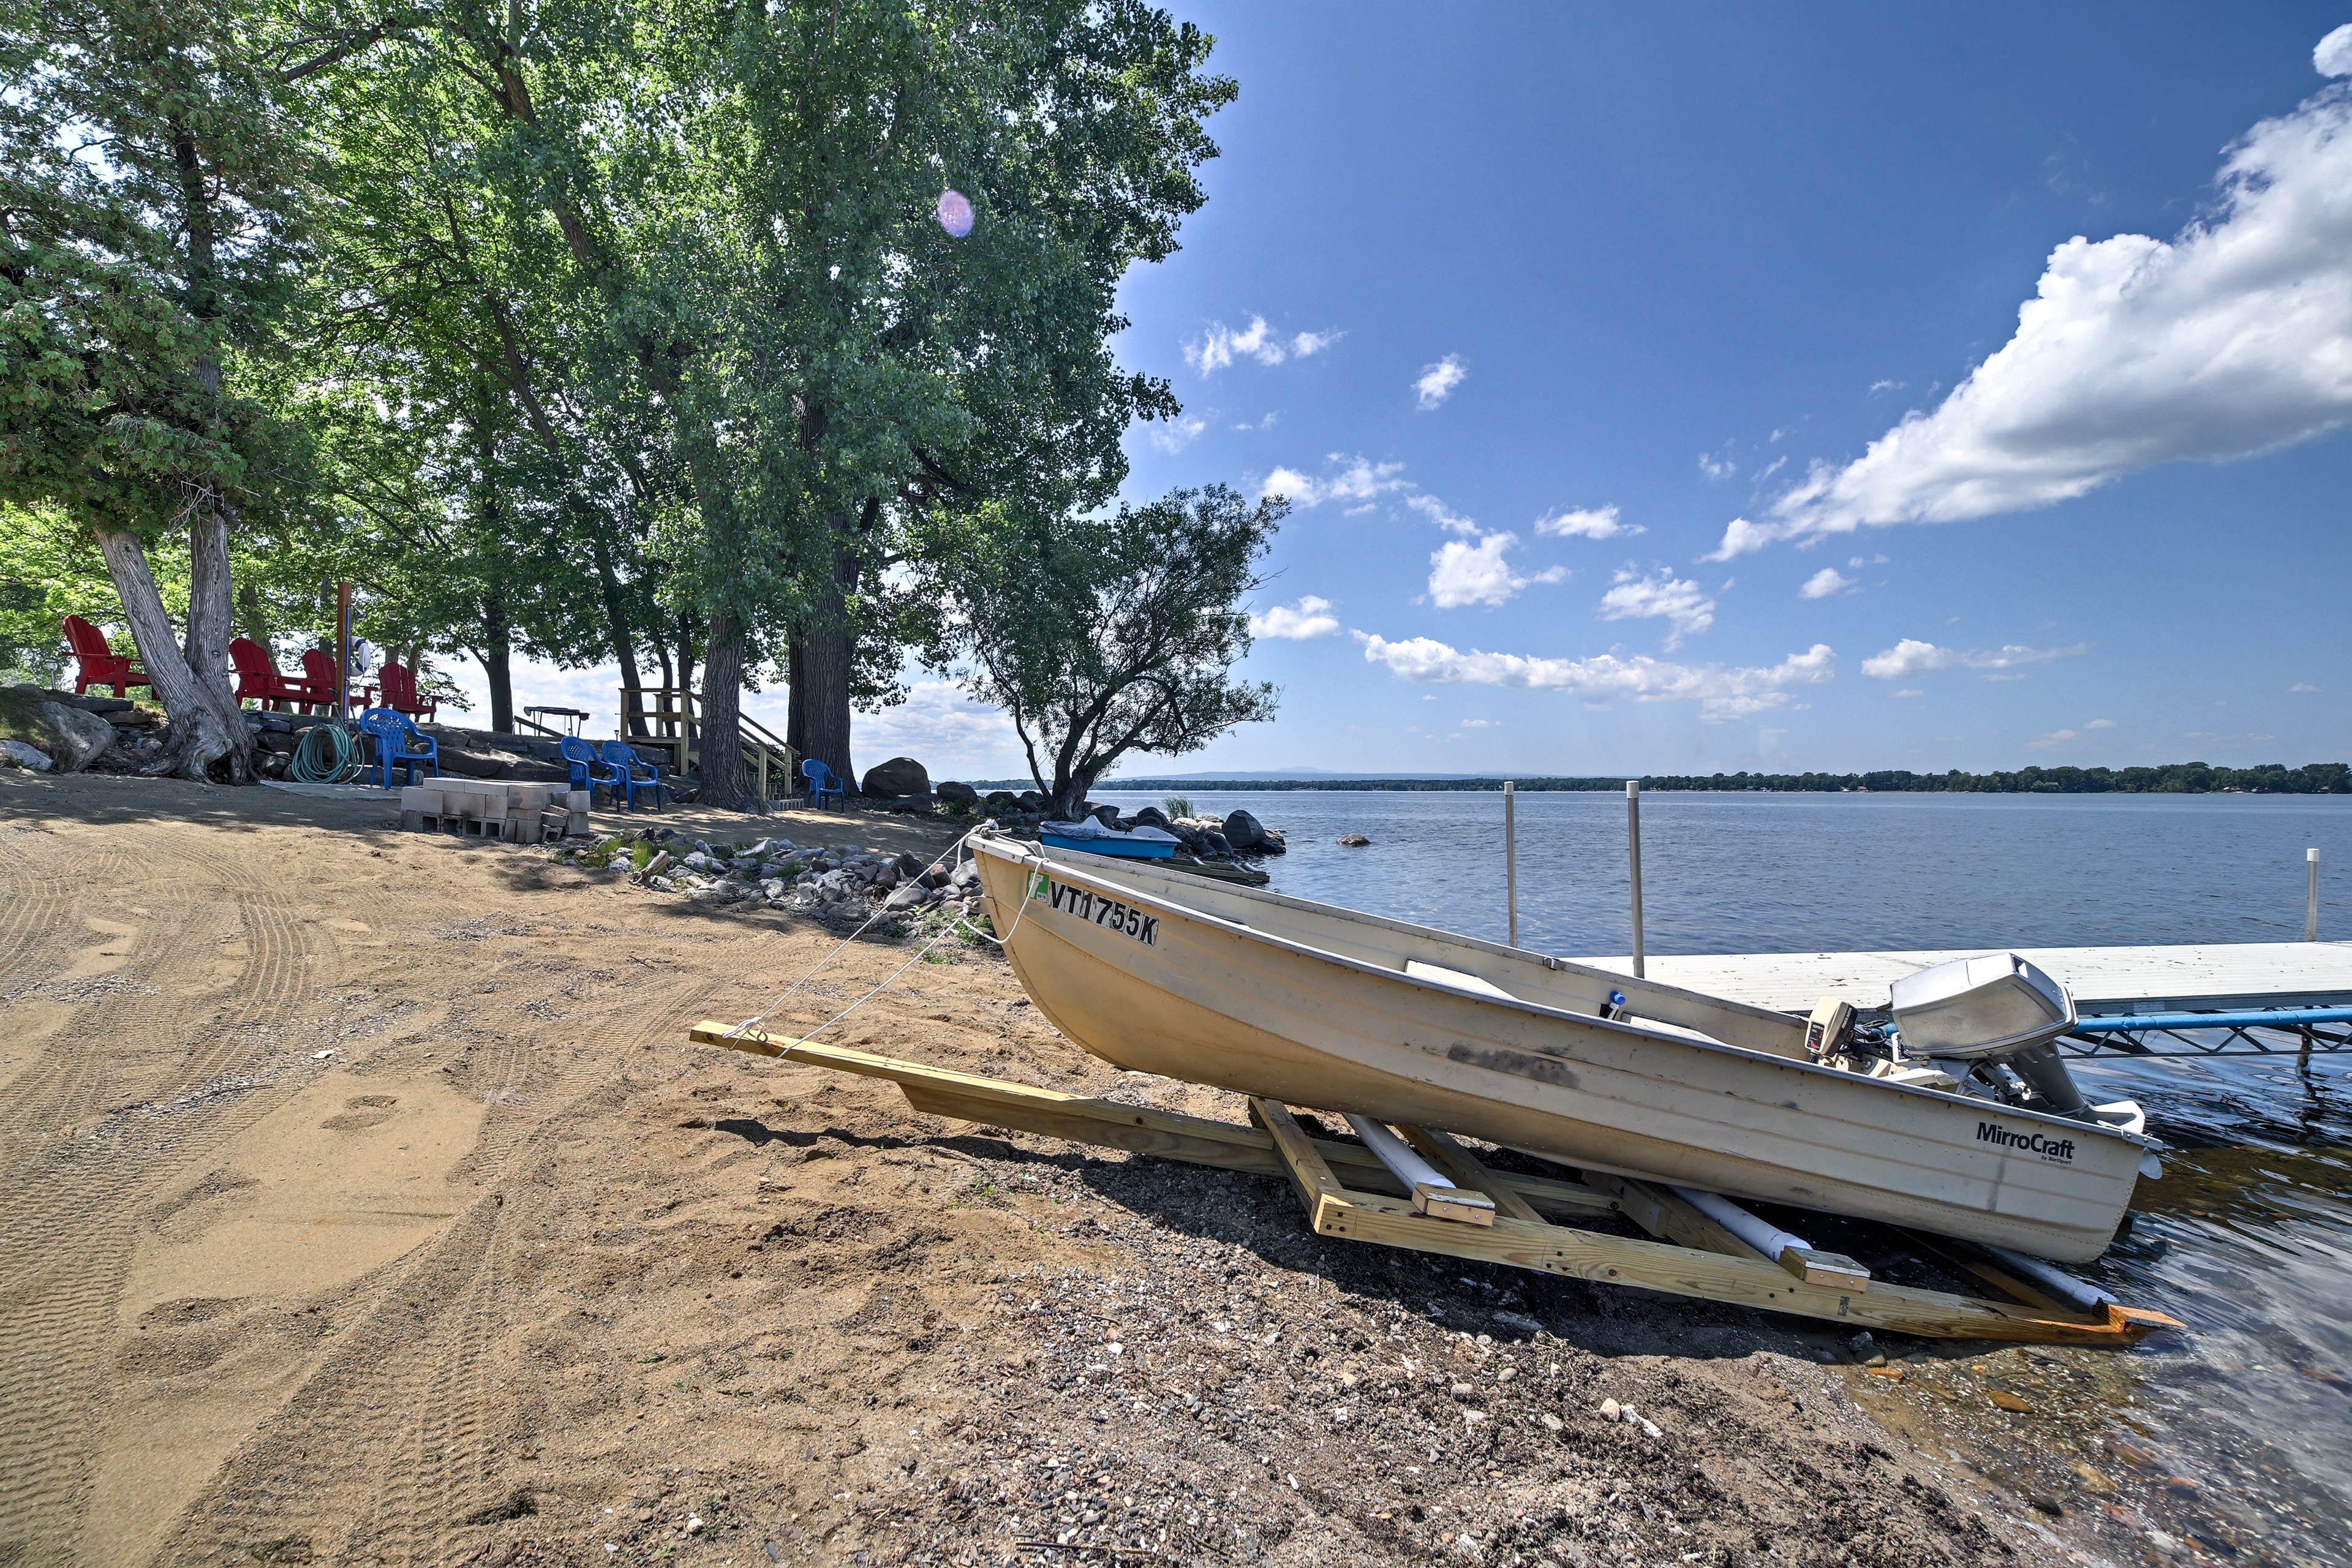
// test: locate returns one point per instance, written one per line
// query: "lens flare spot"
(955, 212)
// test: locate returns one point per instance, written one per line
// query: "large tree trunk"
(726, 781)
(828, 651)
(617, 627)
(497, 662)
(208, 735)
(211, 617)
(795, 701)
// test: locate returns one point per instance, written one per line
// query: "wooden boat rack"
(1534, 1225)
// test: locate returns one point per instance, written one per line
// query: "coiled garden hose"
(327, 753)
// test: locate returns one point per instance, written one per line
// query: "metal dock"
(2262, 997)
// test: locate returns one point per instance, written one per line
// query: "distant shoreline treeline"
(2169, 778)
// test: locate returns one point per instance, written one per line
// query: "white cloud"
(1343, 480)
(1910, 691)
(1222, 346)
(1718, 466)
(1437, 381)
(2231, 339)
(941, 727)
(2056, 737)
(1463, 573)
(2100, 724)
(2333, 55)
(1438, 512)
(2302, 688)
(1481, 725)
(1268, 423)
(1591, 522)
(1878, 387)
(1720, 693)
(1682, 604)
(1310, 617)
(1911, 657)
(1825, 583)
(1175, 435)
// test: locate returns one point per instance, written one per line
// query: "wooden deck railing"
(672, 719)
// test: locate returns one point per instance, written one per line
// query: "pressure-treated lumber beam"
(1198, 1139)
(1441, 1150)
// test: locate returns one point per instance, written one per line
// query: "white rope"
(955, 849)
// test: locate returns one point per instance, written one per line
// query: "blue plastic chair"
(626, 778)
(821, 782)
(396, 738)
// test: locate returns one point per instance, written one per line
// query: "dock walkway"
(2206, 978)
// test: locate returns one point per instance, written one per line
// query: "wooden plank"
(1662, 1213)
(1317, 1187)
(1467, 1170)
(1202, 1141)
(1463, 1206)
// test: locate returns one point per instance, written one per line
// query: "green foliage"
(1177, 806)
(49, 570)
(1102, 636)
(150, 194)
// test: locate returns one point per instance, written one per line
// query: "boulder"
(1105, 815)
(1151, 816)
(899, 775)
(1031, 801)
(17, 754)
(1003, 800)
(78, 737)
(1218, 847)
(1353, 841)
(1244, 831)
(950, 793)
(1190, 838)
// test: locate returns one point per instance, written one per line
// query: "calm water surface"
(2249, 1237)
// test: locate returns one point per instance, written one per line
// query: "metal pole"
(1511, 857)
(1633, 846)
(2311, 895)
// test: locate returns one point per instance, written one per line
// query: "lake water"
(2246, 1423)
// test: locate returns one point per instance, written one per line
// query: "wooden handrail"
(677, 726)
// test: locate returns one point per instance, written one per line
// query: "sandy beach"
(368, 1204)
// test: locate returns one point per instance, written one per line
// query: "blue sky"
(1652, 393)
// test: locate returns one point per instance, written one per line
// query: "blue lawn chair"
(626, 779)
(582, 755)
(821, 781)
(398, 741)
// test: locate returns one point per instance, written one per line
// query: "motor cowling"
(1996, 1010)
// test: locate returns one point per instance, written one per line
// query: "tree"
(749, 193)
(150, 194)
(1106, 635)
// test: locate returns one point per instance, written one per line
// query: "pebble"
(1611, 1410)
(2005, 1400)
(694, 1527)
(1891, 1373)
(1863, 1345)
(1551, 1422)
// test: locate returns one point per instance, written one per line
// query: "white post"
(1634, 847)
(1511, 857)
(2311, 895)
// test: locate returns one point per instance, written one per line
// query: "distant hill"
(2169, 778)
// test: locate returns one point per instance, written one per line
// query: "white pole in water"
(1511, 857)
(1633, 846)
(2311, 896)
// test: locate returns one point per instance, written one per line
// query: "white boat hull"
(1310, 1005)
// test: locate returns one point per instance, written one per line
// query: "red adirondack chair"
(400, 693)
(319, 679)
(97, 663)
(258, 677)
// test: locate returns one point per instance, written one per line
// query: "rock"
(1461, 1391)
(906, 898)
(659, 863)
(1001, 800)
(908, 865)
(886, 878)
(1151, 816)
(1551, 1422)
(17, 754)
(1611, 1410)
(1891, 1373)
(1272, 842)
(898, 776)
(130, 716)
(1353, 841)
(80, 738)
(1215, 844)
(950, 793)
(1105, 815)
(1862, 1346)
(2005, 1400)
(1031, 801)
(1244, 831)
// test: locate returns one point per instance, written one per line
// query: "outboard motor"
(1991, 1013)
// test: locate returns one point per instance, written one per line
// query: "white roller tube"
(2063, 1286)
(1403, 1162)
(1764, 1236)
